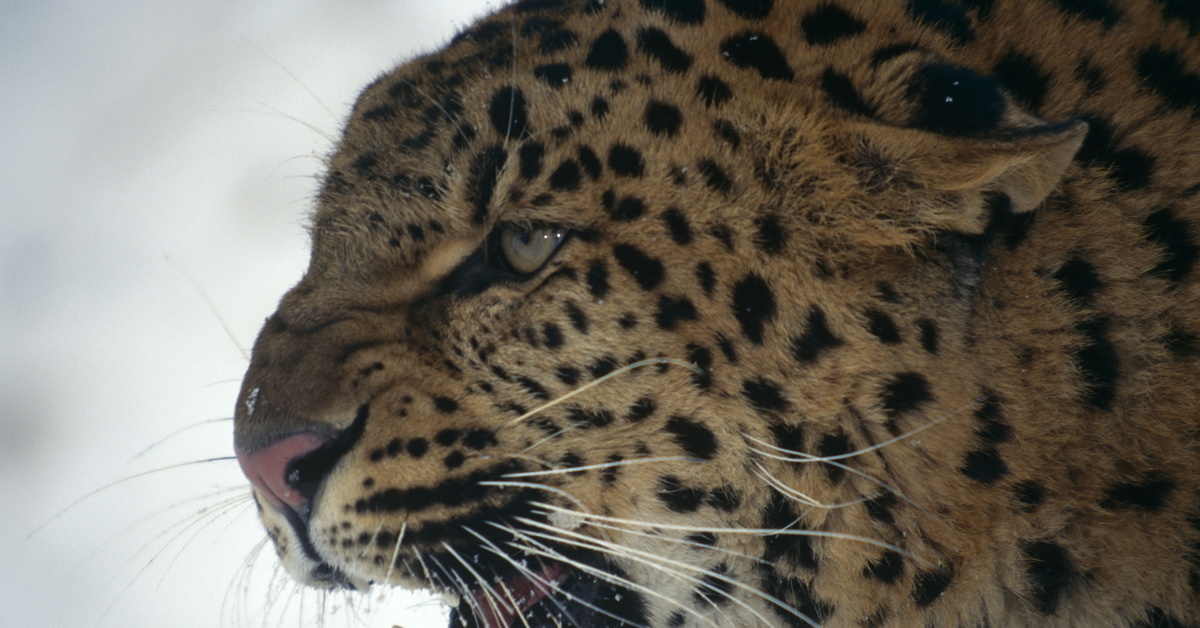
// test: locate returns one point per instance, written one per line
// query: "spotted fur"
(908, 291)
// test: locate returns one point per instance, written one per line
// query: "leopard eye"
(526, 249)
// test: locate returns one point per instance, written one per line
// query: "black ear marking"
(955, 101)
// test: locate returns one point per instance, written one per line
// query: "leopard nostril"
(271, 471)
(289, 471)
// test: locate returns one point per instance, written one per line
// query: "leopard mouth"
(514, 602)
(557, 596)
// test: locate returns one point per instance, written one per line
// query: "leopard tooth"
(451, 598)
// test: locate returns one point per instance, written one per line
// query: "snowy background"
(152, 156)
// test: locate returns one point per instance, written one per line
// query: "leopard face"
(738, 313)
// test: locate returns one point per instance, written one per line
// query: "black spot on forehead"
(589, 417)
(756, 51)
(750, 9)
(788, 437)
(1098, 363)
(696, 439)
(906, 392)
(677, 224)
(1148, 493)
(984, 465)
(678, 497)
(599, 108)
(657, 44)
(706, 277)
(608, 52)
(567, 176)
(713, 91)
(715, 176)
(1186, 12)
(1177, 239)
(1022, 77)
(485, 168)
(445, 405)
(625, 160)
(640, 409)
(553, 74)
(828, 24)
(753, 306)
(662, 118)
(554, 41)
(590, 161)
(1128, 166)
(832, 446)
(769, 235)
(626, 208)
(1164, 72)
(764, 394)
(943, 16)
(597, 279)
(816, 339)
(883, 327)
(646, 270)
(1050, 571)
(1079, 280)
(531, 156)
(681, 11)
(507, 112)
(1091, 10)
(726, 130)
(671, 310)
(887, 568)
(842, 93)
(533, 387)
(928, 586)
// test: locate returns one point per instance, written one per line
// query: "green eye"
(526, 249)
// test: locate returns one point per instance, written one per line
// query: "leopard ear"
(948, 138)
(1023, 164)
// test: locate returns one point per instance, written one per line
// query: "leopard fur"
(907, 291)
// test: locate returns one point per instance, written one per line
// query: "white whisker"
(605, 378)
(604, 465)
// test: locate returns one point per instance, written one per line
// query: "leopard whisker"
(866, 476)
(464, 590)
(544, 587)
(374, 536)
(805, 457)
(675, 569)
(685, 542)
(540, 549)
(535, 485)
(200, 519)
(802, 498)
(490, 595)
(121, 481)
(395, 551)
(587, 516)
(239, 586)
(604, 378)
(604, 465)
(173, 434)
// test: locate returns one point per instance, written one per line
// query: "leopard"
(674, 313)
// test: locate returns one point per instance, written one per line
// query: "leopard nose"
(289, 471)
(278, 472)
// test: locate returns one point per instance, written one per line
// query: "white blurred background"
(145, 146)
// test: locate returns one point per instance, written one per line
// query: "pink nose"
(270, 470)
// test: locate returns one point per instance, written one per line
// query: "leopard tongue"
(499, 613)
